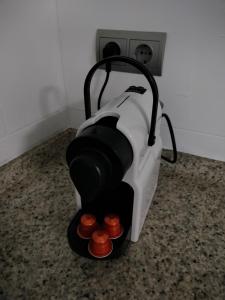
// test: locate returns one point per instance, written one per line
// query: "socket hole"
(111, 49)
(143, 53)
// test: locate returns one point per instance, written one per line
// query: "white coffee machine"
(115, 158)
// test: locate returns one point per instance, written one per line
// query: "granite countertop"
(180, 253)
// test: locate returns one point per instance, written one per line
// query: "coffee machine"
(115, 158)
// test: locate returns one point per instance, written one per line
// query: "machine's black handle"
(143, 70)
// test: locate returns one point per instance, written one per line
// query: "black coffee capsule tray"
(80, 246)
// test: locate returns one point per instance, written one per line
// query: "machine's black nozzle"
(98, 159)
(89, 172)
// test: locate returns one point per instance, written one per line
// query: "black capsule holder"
(119, 202)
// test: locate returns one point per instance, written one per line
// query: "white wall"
(46, 44)
(32, 96)
(193, 81)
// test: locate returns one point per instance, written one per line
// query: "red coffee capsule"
(112, 226)
(87, 226)
(100, 245)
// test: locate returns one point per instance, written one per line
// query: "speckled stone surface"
(23, 166)
(180, 253)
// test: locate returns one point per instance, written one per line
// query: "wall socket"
(146, 47)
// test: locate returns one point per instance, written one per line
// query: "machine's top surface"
(133, 109)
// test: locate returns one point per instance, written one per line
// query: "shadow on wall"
(54, 119)
(50, 96)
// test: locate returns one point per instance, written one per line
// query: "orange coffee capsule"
(87, 226)
(100, 244)
(112, 226)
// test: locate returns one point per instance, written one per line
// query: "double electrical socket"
(146, 47)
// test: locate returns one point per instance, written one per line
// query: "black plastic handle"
(143, 70)
(174, 159)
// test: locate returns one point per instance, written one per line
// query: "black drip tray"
(80, 246)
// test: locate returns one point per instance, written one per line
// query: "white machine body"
(133, 111)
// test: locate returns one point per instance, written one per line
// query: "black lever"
(143, 70)
(174, 159)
